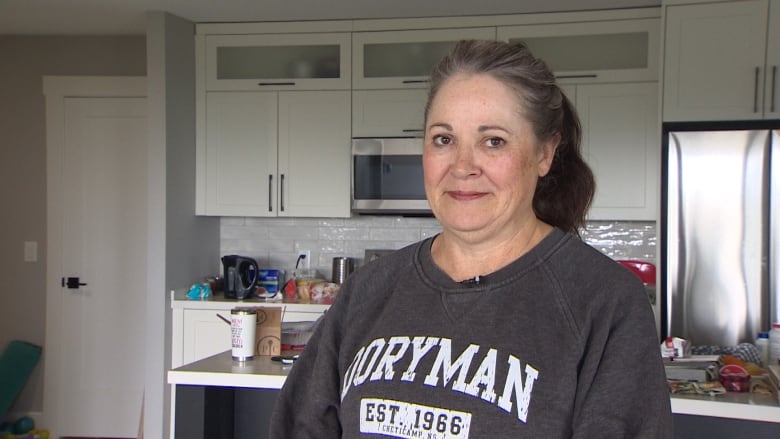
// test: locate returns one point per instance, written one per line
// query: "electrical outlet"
(306, 261)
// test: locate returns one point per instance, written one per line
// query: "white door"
(94, 374)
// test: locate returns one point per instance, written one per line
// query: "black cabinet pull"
(281, 193)
(270, 192)
(772, 94)
(591, 75)
(755, 90)
(266, 84)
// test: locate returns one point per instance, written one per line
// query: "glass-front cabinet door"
(404, 59)
(278, 61)
(608, 51)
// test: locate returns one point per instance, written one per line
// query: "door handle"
(72, 283)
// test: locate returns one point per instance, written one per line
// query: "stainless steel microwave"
(387, 177)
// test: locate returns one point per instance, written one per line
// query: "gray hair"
(563, 196)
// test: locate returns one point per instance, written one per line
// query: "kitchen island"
(750, 415)
(207, 381)
(219, 398)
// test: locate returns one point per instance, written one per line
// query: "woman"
(505, 324)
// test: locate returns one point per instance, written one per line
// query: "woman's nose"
(465, 164)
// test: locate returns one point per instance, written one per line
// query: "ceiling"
(123, 17)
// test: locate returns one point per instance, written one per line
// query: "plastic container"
(295, 335)
(774, 344)
(762, 344)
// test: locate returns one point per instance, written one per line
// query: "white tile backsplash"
(275, 242)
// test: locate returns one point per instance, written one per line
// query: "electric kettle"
(241, 274)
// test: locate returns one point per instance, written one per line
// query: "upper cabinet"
(317, 61)
(772, 83)
(404, 59)
(596, 51)
(278, 103)
(273, 117)
(275, 154)
(388, 113)
(620, 142)
(720, 61)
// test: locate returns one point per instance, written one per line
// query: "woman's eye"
(494, 142)
(441, 140)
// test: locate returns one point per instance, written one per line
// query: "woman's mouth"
(466, 195)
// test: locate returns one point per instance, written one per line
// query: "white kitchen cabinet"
(314, 154)
(313, 61)
(594, 51)
(388, 113)
(714, 61)
(274, 154)
(621, 143)
(404, 58)
(772, 84)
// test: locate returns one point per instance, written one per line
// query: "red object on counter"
(734, 378)
(645, 270)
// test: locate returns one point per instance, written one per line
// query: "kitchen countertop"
(262, 373)
(179, 300)
(733, 405)
(221, 370)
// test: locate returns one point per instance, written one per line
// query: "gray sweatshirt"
(560, 343)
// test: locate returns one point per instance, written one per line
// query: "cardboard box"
(268, 333)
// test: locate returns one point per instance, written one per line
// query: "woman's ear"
(547, 153)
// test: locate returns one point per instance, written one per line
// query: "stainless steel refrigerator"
(720, 231)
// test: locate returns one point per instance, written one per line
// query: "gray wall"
(181, 245)
(25, 59)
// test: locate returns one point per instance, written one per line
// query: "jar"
(762, 344)
(774, 344)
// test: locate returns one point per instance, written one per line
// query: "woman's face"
(481, 158)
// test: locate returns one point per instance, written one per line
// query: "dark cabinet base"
(223, 412)
(706, 427)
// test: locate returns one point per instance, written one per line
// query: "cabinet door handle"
(587, 75)
(263, 84)
(772, 93)
(415, 81)
(412, 130)
(270, 192)
(281, 192)
(755, 90)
